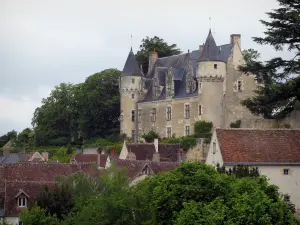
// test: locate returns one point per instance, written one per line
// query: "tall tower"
(211, 73)
(130, 91)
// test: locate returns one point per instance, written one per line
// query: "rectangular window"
(132, 81)
(286, 171)
(153, 115)
(214, 147)
(187, 111)
(22, 202)
(169, 113)
(187, 130)
(132, 96)
(199, 110)
(132, 115)
(169, 132)
(239, 85)
(215, 66)
(139, 115)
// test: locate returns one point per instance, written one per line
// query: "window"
(22, 202)
(132, 115)
(239, 85)
(132, 81)
(169, 113)
(140, 115)
(190, 84)
(215, 66)
(187, 130)
(286, 171)
(200, 85)
(169, 132)
(146, 170)
(132, 134)
(153, 115)
(132, 96)
(214, 147)
(199, 110)
(187, 111)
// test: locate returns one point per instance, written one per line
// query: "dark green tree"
(251, 56)
(148, 45)
(280, 93)
(11, 135)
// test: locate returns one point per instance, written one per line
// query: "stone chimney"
(201, 47)
(156, 145)
(6, 152)
(235, 39)
(153, 56)
(45, 156)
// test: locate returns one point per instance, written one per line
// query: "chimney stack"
(201, 47)
(235, 39)
(45, 156)
(153, 56)
(156, 145)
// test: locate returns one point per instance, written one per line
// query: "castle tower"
(130, 91)
(211, 73)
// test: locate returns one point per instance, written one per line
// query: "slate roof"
(179, 65)
(168, 152)
(17, 157)
(251, 146)
(131, 67)
(135, 167)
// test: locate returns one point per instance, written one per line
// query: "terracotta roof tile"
(91, 158)
(262, 146)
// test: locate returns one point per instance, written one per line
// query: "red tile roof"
(259, 146)
(168, 152)
(91, 158)
(31, 188)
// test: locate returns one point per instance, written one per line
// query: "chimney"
(6, 153)
(201, 47)
(45, 156)
(152, 59)
(156, 157)
(156, 145)
(235, 39)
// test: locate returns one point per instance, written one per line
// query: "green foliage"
(185, 142)
(203, 129)
(150, 136)
(56, 202)
(279, 95)
(239, 171)
(250, 56)
(148, 45)
(236, 124)
(37, 216)
(105, 143)
(11, 135)
(75, 112)
(62, 154)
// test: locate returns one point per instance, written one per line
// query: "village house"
(153, 152)
(22, 156)
(276, 153)
(101, 160)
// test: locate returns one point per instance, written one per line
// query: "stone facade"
(180, 90)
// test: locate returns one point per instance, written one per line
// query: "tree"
(150, 136)
(280, 94)
(196, 193)
(250, 56)
(11, 135)
(149, 45)
(56, 202)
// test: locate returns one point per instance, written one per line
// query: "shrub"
(149, 137)
(236, 124)
(203, 129)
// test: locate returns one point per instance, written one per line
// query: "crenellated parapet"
(211, 78)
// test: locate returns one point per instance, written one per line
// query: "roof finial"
(131, 42)
(209, 23)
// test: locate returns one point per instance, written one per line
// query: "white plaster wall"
(124, 151)
(12, 220)
(214, 159)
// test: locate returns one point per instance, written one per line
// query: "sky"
(46, 42)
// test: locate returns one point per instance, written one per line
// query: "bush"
(203, 129)
(149, 137)
(185, 142)
(236, 124)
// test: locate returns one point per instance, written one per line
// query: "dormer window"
(146, 170)
(215, 66)
(22, 202)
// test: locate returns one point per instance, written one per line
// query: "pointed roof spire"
(131, 67)
(210, 51)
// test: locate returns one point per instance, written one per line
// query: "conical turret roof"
(131, 67)
(210, 51)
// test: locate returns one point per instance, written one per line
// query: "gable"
(214, 155)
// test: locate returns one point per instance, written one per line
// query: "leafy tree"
(203, 129)
(11, 135)
(280, 94)
(250, 56)
(185, 142)
(149, 45)
(57, 202)
(239, 171)
(150, 136)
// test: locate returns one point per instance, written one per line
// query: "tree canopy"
(148, 45)
(279, 95)
(75, 112)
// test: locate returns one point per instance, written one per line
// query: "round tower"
(211, 73)
(130, 91)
